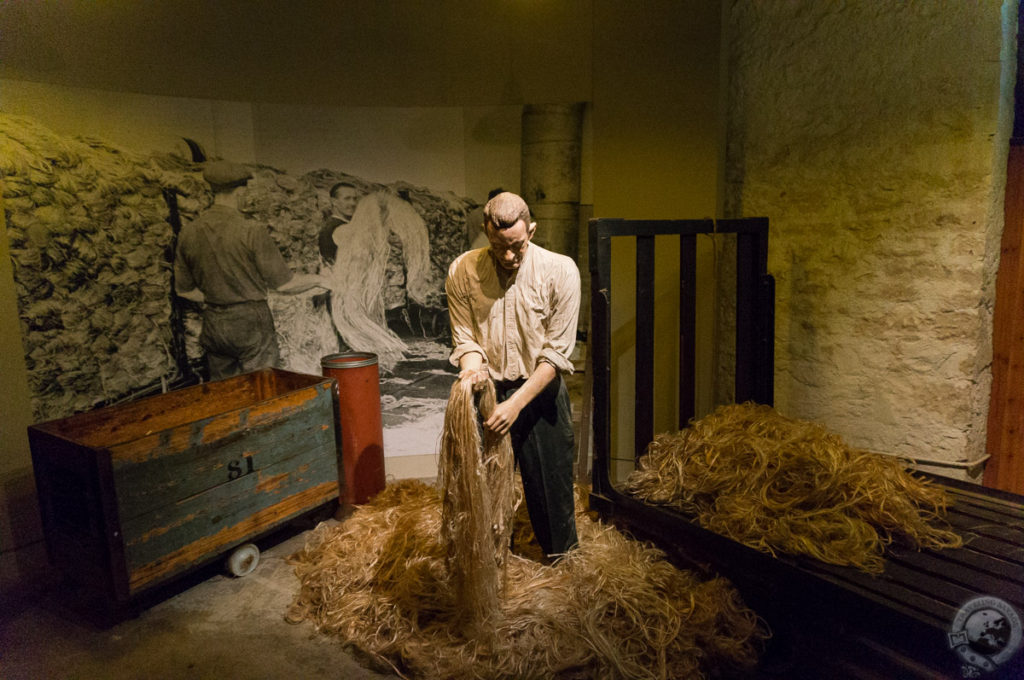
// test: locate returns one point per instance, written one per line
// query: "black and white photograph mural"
(94, 229)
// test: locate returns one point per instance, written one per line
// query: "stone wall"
(874, 136)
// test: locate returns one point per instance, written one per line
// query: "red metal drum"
(359, 417)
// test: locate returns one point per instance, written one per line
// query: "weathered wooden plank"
(189, 554)
(952, 594)
(943, 565)
(885, 591)
(125, 422)
(1001, 541)
(175, 475)
(986, 514)
(986, 563)
(109, 427)
(968, 560)
(994, 547)
(975, 491)
(223, 424)
(149, 536)
(985, 498)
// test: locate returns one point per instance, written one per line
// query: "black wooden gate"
(827, 621)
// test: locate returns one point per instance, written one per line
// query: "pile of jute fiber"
(359, 276)
(91, 243)
(90, 246)
(783, 485)
(417, 586)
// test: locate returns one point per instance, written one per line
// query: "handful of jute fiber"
(394, 583)
(782, 485)
(478, 503)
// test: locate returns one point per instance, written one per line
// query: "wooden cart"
(827, 621)
(134, 495)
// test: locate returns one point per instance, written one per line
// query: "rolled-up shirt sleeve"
(460, 315)
(560, 330)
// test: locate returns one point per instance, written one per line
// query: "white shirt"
(533, 319)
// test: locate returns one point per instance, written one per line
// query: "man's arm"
(184, 284)
(300, 283)
(467, 353)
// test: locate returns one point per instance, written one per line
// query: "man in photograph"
(344, 199)
(228, 264)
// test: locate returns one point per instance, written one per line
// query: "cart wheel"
(243, 560)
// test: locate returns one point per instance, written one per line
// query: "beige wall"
(140, 122)
(656, 143)
(874, 136)
(19, 516)
(445, 148)
(15, 412)
(315, 52)
(651, 76)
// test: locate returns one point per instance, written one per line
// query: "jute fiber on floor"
(783, 485)
(405, 582)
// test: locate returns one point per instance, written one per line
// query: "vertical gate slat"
(600, 346)
(746, 320)
(687, 327)
(643, 420)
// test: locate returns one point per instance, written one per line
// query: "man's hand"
(502, 417)
(194, 295)
(300, 283)
(504, 414)
(477, 377)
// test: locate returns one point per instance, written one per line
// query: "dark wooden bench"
(827, 621)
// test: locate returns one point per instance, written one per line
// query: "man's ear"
(533, 228)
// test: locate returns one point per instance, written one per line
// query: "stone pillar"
(550, 178)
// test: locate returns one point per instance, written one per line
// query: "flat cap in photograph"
(225, 173)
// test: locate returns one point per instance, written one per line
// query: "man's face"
(344, 201)
(509, 245)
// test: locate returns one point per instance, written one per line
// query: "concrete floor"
(215, 626)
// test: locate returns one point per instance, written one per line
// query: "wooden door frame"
(1005, 468)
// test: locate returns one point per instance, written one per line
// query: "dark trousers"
(239, 338)
(543, 442)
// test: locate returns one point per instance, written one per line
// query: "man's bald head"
(505, 209)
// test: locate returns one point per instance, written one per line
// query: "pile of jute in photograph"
(91, 240)
(783, 485)
(421, 582)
